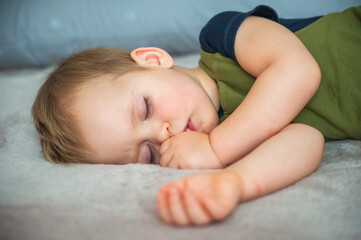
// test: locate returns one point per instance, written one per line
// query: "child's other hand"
(199, 198)
(189, 150)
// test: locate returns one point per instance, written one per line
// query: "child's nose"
(164, 132)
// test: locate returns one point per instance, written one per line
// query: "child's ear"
(152, 57)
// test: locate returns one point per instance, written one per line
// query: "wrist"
(214, 146)
(215, 156)
(236, 181)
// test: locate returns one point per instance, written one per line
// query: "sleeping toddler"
(266, 95)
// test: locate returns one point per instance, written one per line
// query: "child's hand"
(189, 150)
(199, 198)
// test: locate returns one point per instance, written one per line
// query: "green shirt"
(335, 42)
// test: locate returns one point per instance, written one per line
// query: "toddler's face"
(127, 119)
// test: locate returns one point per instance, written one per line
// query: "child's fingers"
(167, 159)
(179, 215)
(196, 212)
(165, 146)
(166, 155)
(164, 159)
(173, 163)
(163, 206)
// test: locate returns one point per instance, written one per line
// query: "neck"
(207, 83)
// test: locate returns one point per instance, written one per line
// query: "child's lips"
(189, 126)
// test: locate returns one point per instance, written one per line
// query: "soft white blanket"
(40, 200)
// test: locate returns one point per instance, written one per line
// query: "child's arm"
(283, 159)
(287, 76)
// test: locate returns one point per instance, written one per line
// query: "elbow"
(307, 69)
(311, 72)
(312, 141)
(316, 143)
(315, 74)
(319, 147)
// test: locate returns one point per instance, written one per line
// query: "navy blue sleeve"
(219, 34)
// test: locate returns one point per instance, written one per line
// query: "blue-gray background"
(41, 32)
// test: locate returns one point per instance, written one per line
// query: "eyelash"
(151, 161)
(148, 105)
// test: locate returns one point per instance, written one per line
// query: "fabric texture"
(333, 40)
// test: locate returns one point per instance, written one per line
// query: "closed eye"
(152, 155)
(149, 108)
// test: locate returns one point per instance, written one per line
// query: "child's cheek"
(171, 105)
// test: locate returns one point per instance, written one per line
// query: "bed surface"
(40, 200)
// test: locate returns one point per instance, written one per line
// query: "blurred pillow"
(41, 32)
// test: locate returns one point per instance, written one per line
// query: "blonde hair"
(60, 137)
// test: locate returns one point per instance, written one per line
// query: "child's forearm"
(262, 114)
(268, 107)
(287, 76)
(280, 161)
(285, 158)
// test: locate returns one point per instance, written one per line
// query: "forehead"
(102, 110)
